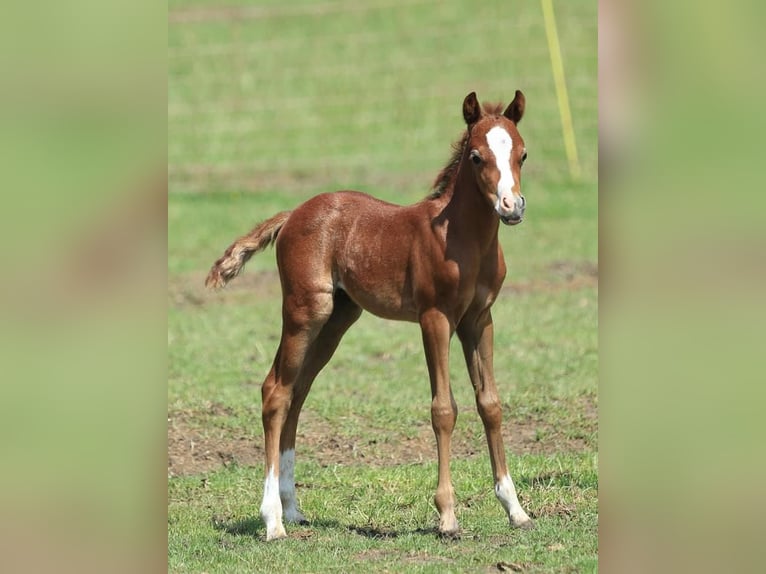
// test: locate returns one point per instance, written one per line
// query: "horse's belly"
(384, 299)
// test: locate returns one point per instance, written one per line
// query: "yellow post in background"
(561, 88)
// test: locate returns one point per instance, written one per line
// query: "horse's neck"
(468, 212)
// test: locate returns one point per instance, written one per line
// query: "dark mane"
(447, 174)
(449, 171)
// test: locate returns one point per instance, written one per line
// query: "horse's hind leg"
(304, 315)
(345, 312)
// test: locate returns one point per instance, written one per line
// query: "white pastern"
(499, 141)
(271, 507)
(506, 494)
(287, 487)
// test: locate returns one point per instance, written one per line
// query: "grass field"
(269, 104)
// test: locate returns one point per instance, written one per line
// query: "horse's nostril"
(523, 202)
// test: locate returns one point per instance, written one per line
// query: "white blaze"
(499, 141)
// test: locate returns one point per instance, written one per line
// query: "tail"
(239, 252)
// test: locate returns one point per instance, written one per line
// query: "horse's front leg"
(476, 335)
(437, 332)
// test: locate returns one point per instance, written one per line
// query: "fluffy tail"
(239, 252)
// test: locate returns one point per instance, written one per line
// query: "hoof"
(276, 533)
(527, 524)
(448, 528)
(449, 534)
(295, 517)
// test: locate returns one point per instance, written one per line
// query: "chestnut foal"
(437, 263)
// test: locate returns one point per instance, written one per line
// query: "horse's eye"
(475, 157)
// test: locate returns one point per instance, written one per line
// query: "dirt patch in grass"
(195, 447)
(411, 557)
(510, 567)
(194, 451)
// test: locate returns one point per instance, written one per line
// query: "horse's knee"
(443, 415)
(490, 411)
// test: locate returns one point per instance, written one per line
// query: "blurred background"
(304, 96)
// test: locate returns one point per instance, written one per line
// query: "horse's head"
(496, 152)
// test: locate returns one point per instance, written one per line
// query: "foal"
(437, 263)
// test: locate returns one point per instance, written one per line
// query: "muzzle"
(511, 209)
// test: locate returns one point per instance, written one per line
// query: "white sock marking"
(506, 493)
(287, 487)
(271, 507)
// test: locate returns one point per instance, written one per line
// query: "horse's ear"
(515, 110)
(471, 109)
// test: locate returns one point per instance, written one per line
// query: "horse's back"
(329, 217)
(344, 203)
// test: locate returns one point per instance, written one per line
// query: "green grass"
(263, 113)
(371, 519)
